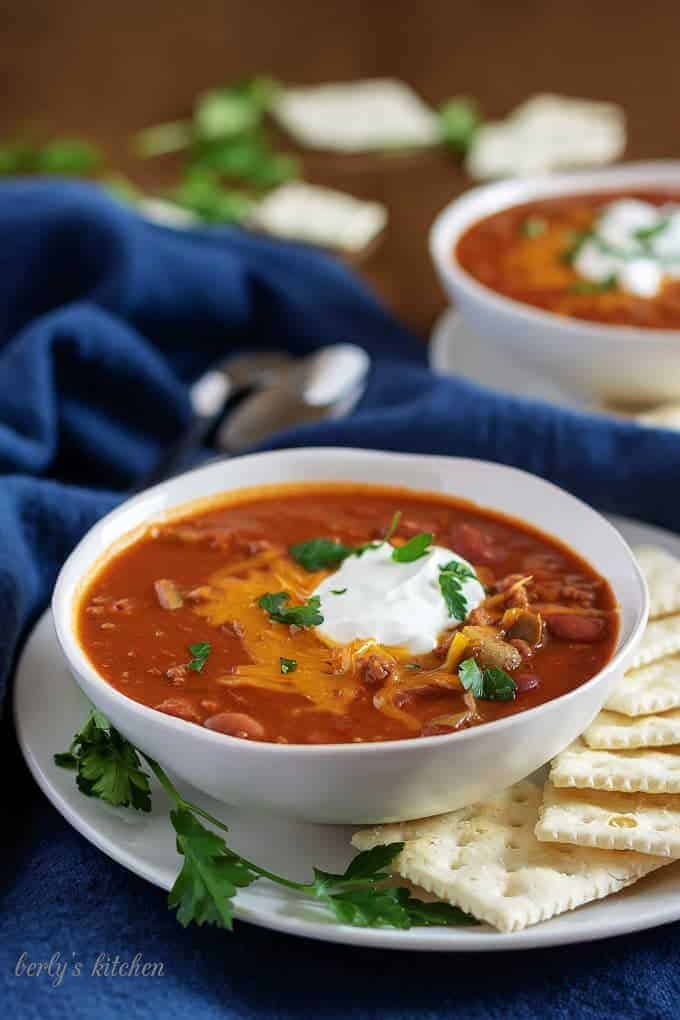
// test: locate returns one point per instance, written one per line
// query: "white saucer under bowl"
(49, 708)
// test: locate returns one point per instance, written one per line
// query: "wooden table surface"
(105, 70)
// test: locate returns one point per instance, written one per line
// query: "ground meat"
(179, 707)
(176, 675)
(481, 617)
(374, 671)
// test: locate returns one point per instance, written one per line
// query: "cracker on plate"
(640, 822)
(548, 132)
(323, 216)
(649, 689)
(637, 770)
(357, 116)
(662, 574)
(486, 860)
(612, 731)
(661, 638)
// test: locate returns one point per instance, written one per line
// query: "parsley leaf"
(594, 286)
(107, 766)
(533, 226)
(412, 550)
(306, 615)
(199, 652)
(288, 665)
(646, 234)
(338, 591)
(211, 873)
(489, 685)
(459, 119)
(577, 239)
(318, 553)
(451, 577)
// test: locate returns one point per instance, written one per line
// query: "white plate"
(455, 349)
(48, 710)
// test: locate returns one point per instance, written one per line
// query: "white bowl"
(362, 783)
(605, 362)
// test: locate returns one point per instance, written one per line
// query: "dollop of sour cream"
(399, 604)
(635, 244)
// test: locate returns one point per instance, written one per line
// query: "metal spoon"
(212, 396)
(326, 384)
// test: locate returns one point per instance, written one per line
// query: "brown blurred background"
(104, 70)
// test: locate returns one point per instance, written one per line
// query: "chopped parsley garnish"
(199, 655)
(645, 234)
(489, 684)
(576, 241)
(338, 591)
(451, 577)
(109, 767)
(288, 665)
(594, 286)
(306, 615)
(412, 550)
(319, 553)
(533, 227)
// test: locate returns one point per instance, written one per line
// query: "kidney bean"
(236, 724)
(473, 544)
(526, 682)
(572, 627)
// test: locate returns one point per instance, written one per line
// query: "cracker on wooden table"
(320, 216)
(649, 689)
(486, 860)
(641, 822)
(610, 731)
(357, 116)
(662, 574)
(637, 770)
(661, 638)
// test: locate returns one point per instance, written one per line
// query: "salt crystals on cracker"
(662, 574)
(357, 116)
(637, 770)
(661, 638)
(320, 216)
(486, 860)
(548, 132)
(640, 822)
(613, 731)
(649, 689)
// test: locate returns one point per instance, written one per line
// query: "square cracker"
(612, 731)
(486, 860)
(649, 689)
(662, 574)
(357, 116)
(641, 822)
(638, 770)
(661, 638)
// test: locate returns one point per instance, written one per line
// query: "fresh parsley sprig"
(211, 873)
(305, 615)
(489, 684)
(451, 577)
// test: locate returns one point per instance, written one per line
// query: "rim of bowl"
(75, 655)
(460, 214)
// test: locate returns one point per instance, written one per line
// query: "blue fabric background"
(103, 321)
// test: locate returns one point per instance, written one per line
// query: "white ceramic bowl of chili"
(605, 362)
(357, 782)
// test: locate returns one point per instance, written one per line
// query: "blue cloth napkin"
(104, 319)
